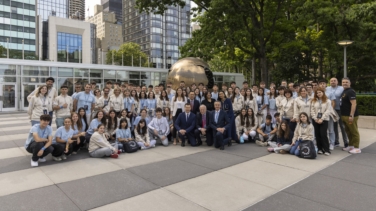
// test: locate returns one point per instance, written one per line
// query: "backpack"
(307, 150)
(271, 127)
(130, 146)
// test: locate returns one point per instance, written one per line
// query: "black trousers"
(220, 139)
(209, 136)
(174, 119)
(191, 138)
(321, 133)
(35, 147)
(76, 147)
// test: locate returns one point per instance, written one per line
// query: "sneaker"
(355, 151)
(331, 147)
(119, 151)
(74, 153)
(42, 160)
(319, 152)
(327, 153)
(346, 145)
(63, 157)
(336, 144)
(34, 163)
(266, 144)
(347, 149)
(56, 158)
(114, 156)
(282, 151)
(241, 140)
(153, 146)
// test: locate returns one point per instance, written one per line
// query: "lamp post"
(7, 48)
(23, 51)
(344, 43)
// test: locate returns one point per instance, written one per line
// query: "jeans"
(59, 122)
(102, 152)
(34, 122)
(332, 135)
(285, 147)
(343, 131)
(352, 131)
(295, 148)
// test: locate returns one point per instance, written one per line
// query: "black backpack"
(130, 146)
(307, 150)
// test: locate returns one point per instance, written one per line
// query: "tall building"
(108, 32)
(158, 35)
(18, 27)
(77, 9)
(115, 6)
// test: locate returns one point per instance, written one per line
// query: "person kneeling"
(284, 139)
(266, 132)
(159, 128)
(39, 141)
(99, 146)
(63, 138)
(142, 135)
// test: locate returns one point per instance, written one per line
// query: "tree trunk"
(263, 64)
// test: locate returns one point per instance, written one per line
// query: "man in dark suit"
(202, 126)
(185, 125)
(220, 124)
(195, 104)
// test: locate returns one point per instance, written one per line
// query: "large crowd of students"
(124, 117)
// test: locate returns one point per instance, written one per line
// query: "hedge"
(366, 105)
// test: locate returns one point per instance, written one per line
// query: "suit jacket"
(199, 120)
(182, 123)
(223, 120)
(196, 106)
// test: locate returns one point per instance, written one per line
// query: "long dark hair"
(112, 121)
(182, 95)
(141, 131)
(103, 120)
(305, 114)
(243, 119)
(140, 97)
(135, 97)
(252, 117)
(246, 97)
(281, 133)
(219, 98)
(79, 122)
(84, 117)
(272, 94)
(233, 94)
(121, 121)
(161, 96)
(263, 94)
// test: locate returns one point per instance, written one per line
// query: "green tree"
(125, 54)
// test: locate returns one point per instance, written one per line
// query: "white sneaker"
(327, 153)
(34, 163)
(319, 152)
(42, 160)
(331, 147)
(143, 148)
(355, 151)
(347, 149)
(153, 146)
(56, 158)
(63, 156)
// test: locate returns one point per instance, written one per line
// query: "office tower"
(108, 32)
(114, 6)
(158, 35)
(77, 9)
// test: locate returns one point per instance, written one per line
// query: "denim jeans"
(295, 149)
(332, 135)
(34, 122)
(59, 122)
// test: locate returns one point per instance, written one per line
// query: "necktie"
(203, 121)
(186, 118)
(216, 116)
(192, 101)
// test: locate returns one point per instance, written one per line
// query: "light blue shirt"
(267, 129)
(83, 125)
(272, 104)
(45, 133)
(150, 104)
(139, 118)
(93, 125)
(123, 133)
(294, 95)
(170, 96)
(128, 102)
(63, 134)
(259, 101)
(337, 93)
(85, 99)
(214, 95)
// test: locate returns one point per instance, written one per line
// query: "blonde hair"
(40, 89)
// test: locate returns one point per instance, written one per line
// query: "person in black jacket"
(208, 102)
(220, 124)
(195, 104)
(203, 127)
(284, 139)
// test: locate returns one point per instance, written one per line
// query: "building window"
(69, 48)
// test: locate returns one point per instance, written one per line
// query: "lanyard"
(43, 100)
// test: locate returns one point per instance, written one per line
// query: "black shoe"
(346, 145)
(199, 143)
(182, 144)
(229, 143)
(222, 147)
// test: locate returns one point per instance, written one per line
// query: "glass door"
(8, 97)
(27, 89)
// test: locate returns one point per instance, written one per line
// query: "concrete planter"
(368, 122)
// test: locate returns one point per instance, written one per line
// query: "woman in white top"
(112, 125)
(249, 101)
(99, 146)
(98, 105)
(163, 101)
(177, 105)
(142, 135)
(288, 110)
(262, 104)
(303, 132)
(116, 101)
(230, 92)
(39, 105)
(320, 111)
(237, 101)
(302, 104)
(272, 96)
(278, 100)
(244, 126)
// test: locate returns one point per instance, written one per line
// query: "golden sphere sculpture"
(190, 70)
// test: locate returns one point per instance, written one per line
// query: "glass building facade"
(115, 6)
(158, 35)
(69, 47)
(17, 26)
(18, 78)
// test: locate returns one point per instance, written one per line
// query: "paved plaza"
(242, 177)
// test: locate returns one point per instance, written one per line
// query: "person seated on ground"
(124, 115)
(39, 141)
(159, 128)
(63, 138)
(99, 146)
(78, 134)
(277, 119)
(304, 131)
(112, 125)
(142, 135)
(241, 122)
(143, 115)
(284, 139)
(185, 125)
(253, 123)
(100, 119)
(266, 131)
(202, 126)
(123, 133)
(167, 114)
(220, 124)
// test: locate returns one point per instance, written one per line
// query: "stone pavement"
(242, 177)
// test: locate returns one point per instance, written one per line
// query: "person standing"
(350, 115)
(63, 106)
(202, 126)
(177, 105)
(85, 100)
(185, 125)
(39, 105)
(337, 92)
(220, 124)
(195, 104)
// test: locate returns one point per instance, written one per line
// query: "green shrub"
(366, 105)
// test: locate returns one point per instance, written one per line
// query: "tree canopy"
(129, 54)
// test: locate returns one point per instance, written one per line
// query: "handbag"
(307, 150)
(130, 146)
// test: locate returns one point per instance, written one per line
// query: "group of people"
(105, 121)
